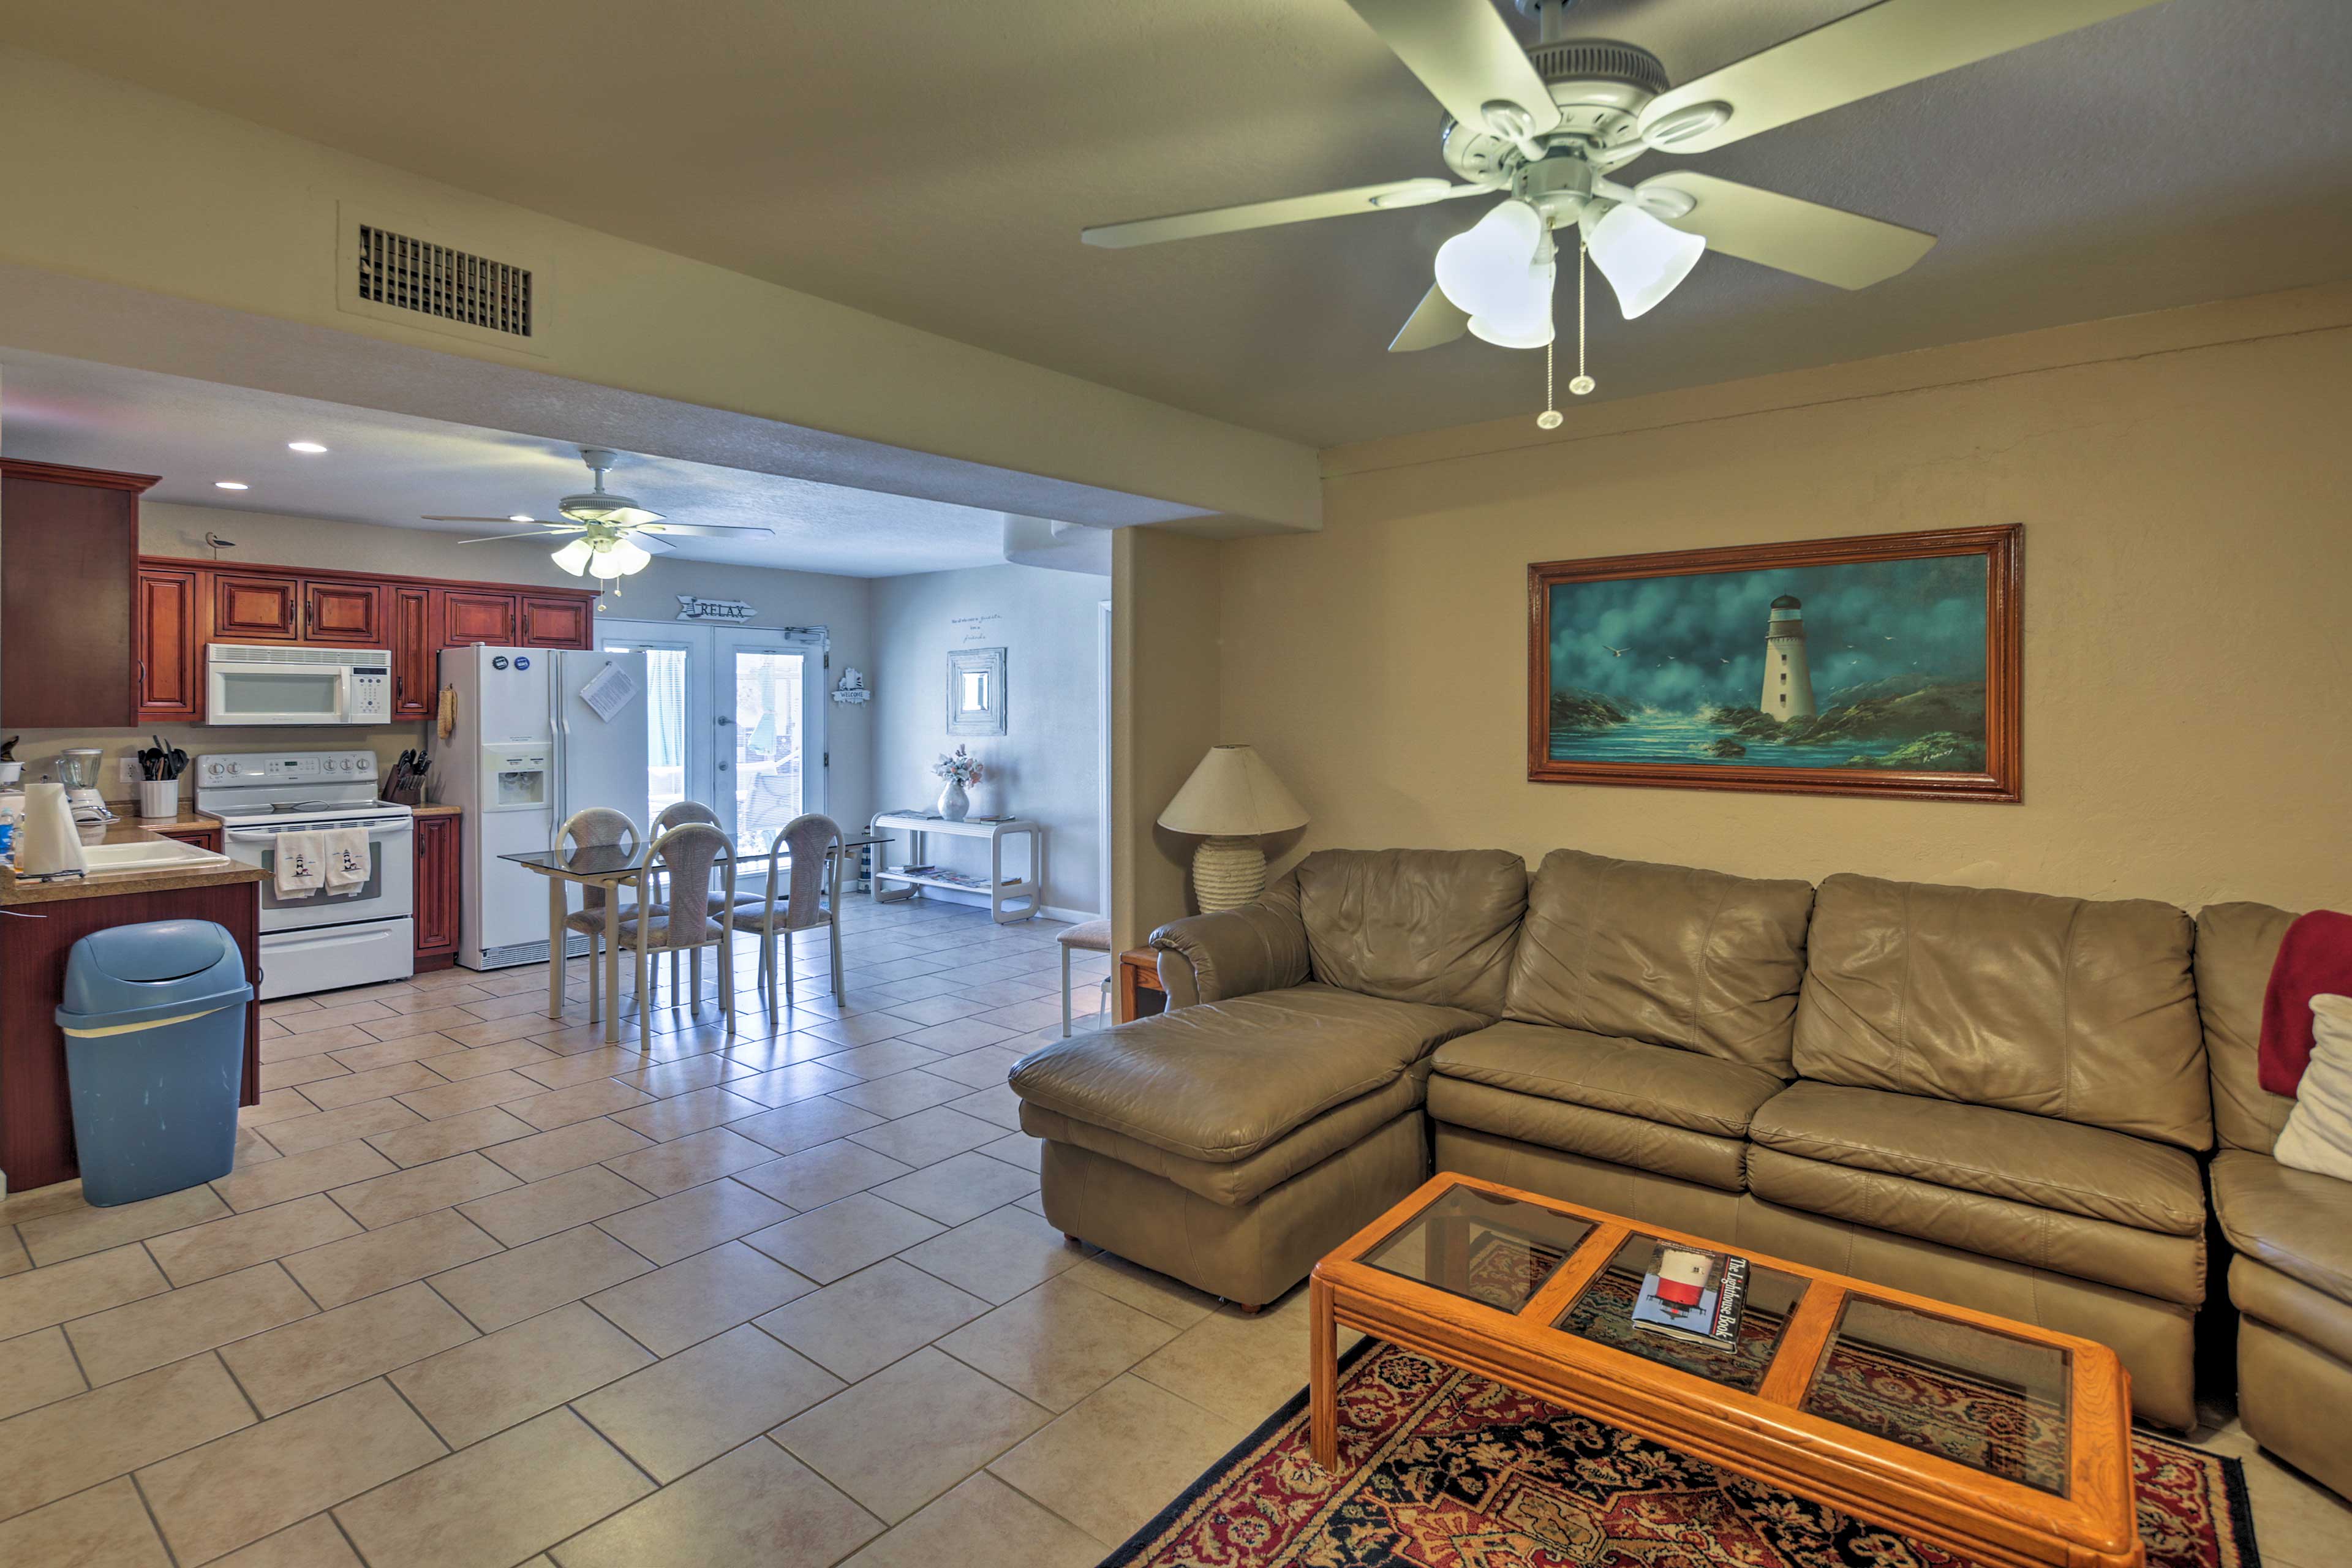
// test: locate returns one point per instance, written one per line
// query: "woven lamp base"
(1227, 872)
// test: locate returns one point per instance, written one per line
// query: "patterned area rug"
(1440, 1468)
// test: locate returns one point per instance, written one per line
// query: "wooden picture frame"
(1593, 736)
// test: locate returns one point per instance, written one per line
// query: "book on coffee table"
(1693, 1295)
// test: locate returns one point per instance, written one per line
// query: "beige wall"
(843, 605)
(2182, 480)
(1164, 714)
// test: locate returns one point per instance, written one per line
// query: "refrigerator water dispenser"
(516, 779)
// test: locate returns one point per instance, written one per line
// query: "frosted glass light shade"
(1644, 259)
(1233, 792)
(573, 557)
(1526, 322)
(1485, 270)
(629, 556)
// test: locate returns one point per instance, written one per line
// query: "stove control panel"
(288, 768)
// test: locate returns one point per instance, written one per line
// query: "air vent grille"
(410, 274)
(1586, 60)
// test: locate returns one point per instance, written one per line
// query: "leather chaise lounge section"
(1234, 1141)
(1992, 1097)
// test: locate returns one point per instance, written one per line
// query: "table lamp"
(1232, 797)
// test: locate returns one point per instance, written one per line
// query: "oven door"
(277, 694)
(389, 893)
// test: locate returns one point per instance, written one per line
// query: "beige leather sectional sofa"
(1994, 1097)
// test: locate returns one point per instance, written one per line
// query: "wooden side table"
(1139, 994)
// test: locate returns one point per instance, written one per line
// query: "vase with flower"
(960, 770)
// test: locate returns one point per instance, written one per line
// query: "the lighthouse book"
(1693, 1295)
(1880, 665)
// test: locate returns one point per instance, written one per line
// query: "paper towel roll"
(47, 843)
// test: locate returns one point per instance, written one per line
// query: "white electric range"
(327, 939)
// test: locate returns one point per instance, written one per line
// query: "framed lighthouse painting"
(1880, 665)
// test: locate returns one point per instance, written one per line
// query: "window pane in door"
(768, 744)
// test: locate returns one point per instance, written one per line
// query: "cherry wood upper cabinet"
(68, 579)
(342, 613)
(170, 646)
(477, 615)
(251, 607)
(415, 680)
(548, 622)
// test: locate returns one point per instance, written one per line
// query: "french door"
(736, 717)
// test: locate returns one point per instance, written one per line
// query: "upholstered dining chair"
(677, 814)
(810, 900)
(688, 856)
(1086, 936)
(599, 826)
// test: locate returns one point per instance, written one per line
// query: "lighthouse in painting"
(1788, 678)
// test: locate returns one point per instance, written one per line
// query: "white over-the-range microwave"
(260, 684)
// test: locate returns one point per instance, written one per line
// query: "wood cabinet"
(437, 899)
(342, 613)
(415, 680)
(176, 608)
(169, 646)
(203, 834)
(477, 615)
(254, 608)
(551, 621)
(68, 581)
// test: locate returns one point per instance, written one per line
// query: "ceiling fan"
(611, 535)
(1548, 128)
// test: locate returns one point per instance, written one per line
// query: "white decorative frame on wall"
(987, 715)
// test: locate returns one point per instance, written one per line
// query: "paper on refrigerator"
(609, 691)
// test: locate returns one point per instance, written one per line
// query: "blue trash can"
(154, 1026)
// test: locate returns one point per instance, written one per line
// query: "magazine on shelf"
(1693, 1295)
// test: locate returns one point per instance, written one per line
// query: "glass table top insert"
(1490, 1248)
(1601, 1313)
(587, 861)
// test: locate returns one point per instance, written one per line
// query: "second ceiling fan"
(608, 535)
(1547, 129)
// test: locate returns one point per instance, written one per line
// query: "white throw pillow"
(2318, 1132)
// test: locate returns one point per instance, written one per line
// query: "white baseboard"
(980, 901)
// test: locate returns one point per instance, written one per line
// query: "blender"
(78, 771)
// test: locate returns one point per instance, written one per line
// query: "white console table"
(1001, 891)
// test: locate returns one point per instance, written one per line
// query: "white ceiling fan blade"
(704, 530)
(1288, 209)
(518, 521)
(510, 538)
(1826, 244)
(1464, 52)
(1436, 319)
(1887, 46)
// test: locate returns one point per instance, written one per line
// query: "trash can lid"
(131, 973)
(156, 950)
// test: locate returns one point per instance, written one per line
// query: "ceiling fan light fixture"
(630, 557)
(1644, 259)
(1485, 270)
(1525, 321)
(573, 557)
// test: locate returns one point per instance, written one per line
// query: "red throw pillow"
(2315, 957)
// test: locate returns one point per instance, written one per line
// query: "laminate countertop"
(108, 884)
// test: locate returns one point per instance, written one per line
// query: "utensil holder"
(158, 797)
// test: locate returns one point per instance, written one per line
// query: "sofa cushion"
(1633, 1142)
(2069, 1008)
(1432, 926)
(2236, 945)
(2077, 1169)
(1666, 954)
(1659, 1083)
(2169, 1268)
(1220, 1081)
(2298, 1223)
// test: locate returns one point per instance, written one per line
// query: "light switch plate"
(127, 770)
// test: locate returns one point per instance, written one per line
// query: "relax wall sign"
(734, 612)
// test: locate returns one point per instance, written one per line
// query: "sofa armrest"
(1212, 958)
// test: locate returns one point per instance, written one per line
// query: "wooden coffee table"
(2005, 1442)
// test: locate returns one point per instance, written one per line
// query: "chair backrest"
(678, 813)
(813, 843)
(597, 826)
(689, 854)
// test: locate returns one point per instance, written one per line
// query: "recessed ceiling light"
(521, 517)
(230, 485)
(304, 446)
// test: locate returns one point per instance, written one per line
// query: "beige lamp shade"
(1233, 792)
(1231, 799)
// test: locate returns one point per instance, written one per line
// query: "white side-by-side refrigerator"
(528, 750)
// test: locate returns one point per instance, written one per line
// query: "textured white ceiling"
(933, 163)
(393, 468)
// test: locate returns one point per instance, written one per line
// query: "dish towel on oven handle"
(347, 859)
(298, 863)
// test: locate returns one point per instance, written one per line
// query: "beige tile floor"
(485, 1291)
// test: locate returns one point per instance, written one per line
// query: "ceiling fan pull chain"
(1584, 383)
